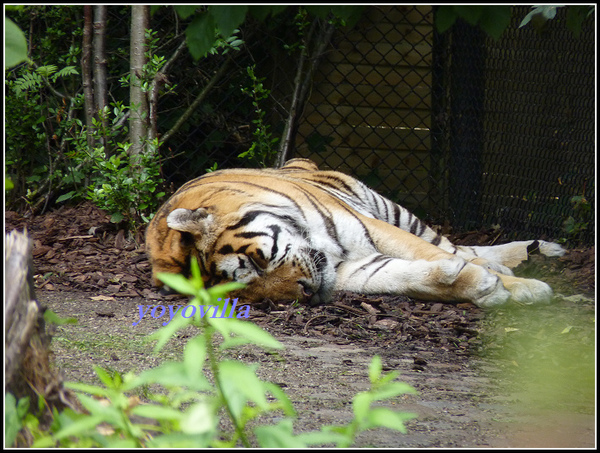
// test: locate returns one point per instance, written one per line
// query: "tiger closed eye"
(258, 262)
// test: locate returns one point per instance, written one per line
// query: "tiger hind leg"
(452, 280)
(508, 255)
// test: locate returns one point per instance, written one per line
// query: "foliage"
(189, 413)
(263, 151)
(541, 14)
(39, 106)
(47, 157)
(495, 19)
(124, 185)
(577, 224)
(221, 20)
(15, 46)
(48, 145)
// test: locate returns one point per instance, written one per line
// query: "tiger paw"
(551, 248)
(528, 291)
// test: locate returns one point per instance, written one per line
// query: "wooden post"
(27, 355)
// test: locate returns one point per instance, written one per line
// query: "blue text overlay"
(187, 311)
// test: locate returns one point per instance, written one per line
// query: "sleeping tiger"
(299, 234)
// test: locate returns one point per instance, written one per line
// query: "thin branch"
(302, 83)
(199, 99)
(159, 79)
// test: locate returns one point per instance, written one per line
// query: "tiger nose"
(308, 290)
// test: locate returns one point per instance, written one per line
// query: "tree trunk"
(86, 74)
(140, 20)
(100, 70)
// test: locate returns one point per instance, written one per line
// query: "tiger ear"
(189, 221)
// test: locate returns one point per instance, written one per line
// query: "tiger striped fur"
(298, 233)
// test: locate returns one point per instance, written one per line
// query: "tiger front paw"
(528, 291)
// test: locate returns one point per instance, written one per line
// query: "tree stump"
(27, 354)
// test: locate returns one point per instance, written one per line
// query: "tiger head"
(257, 248)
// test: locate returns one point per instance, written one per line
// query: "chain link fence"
(516, 127)
(461, 128)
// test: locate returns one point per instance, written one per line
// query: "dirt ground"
(482, 375)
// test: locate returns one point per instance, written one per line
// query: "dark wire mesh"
(369, 113)
(520, 127)
(470, 130)
(457, 127)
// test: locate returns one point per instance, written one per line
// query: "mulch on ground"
(77, 248)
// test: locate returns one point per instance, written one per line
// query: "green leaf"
(47, 70)
(228, 18)
(280, 435)
(361, 404)
(196, 278)
(549, 12)
(104, 377)
(12, 424)
(88, 388)
(200, 35)
(566, 329)
(240, 384)
(392, 389)
(445, 17)
(156, 412)
(326, 436)
(178, 283)
(285, 403)
(116, 217)
(200, 418)
(194, 355)
(539, 15)
(250, 332)
(108, 413)
(262, 12)
(495, 19)
(180, 440)
(375, 369)
(223, 289)
(185, 11)
(164, 334)
(50, 316)
(470, 13)
(15, 44)
(80, 427)
(66, 196)
(169, 375)
(528, 17)
(387, 418)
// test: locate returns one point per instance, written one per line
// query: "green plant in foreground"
(200, 390)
